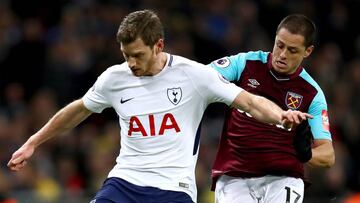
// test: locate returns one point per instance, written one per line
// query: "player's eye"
(139, 55)
(280, 45)
(293, 51)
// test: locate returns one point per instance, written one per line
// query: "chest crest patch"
(293, 100)
(174, 95)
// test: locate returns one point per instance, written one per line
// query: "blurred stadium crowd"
(52, 51)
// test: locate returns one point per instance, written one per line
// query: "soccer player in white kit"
(160, 99)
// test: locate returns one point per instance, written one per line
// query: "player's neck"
(160, 63)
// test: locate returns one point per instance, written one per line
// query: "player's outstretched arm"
(65, 119)
(267, 111)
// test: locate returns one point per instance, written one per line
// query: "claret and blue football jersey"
(249, 148)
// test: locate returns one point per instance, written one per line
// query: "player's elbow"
(323, 154)
(325, 160)
(244, 101)
(330, 160)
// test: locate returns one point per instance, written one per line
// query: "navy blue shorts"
(117, 190)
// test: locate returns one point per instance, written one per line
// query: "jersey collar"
(279, 76)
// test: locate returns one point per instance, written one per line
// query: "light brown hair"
(144, 24)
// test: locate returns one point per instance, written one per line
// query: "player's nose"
(283, 54)
(131, 63)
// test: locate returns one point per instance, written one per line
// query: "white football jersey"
(159, 117)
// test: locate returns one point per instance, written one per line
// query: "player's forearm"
(65, 119)
(258, 107)
(265, 110)
(322, 156)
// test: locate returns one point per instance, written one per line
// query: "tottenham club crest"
(174, 95)
(293, 100)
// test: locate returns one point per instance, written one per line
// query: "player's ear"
(159, 46)
(308, 51)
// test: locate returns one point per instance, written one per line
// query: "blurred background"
(51, 52)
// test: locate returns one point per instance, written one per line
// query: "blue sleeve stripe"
(320, 96)
(316, 107)
(231, 67)
(257, 56)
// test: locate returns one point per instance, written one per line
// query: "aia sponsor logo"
(138, 125)
(293, 100)
(325, 120)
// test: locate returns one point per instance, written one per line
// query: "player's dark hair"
(299, 24)
(144, 24)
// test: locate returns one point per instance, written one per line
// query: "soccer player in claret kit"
(258, 162)
(160, 99)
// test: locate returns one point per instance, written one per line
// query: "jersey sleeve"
(95, 98)
(320, 126)
(231, 67)
(213, 86)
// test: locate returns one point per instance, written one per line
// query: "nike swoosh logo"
(125, 100)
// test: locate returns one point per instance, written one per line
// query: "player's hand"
(20, 157)
(302, 142)
(291, 118)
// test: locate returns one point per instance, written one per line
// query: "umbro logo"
(253, 83)
(125, 100)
